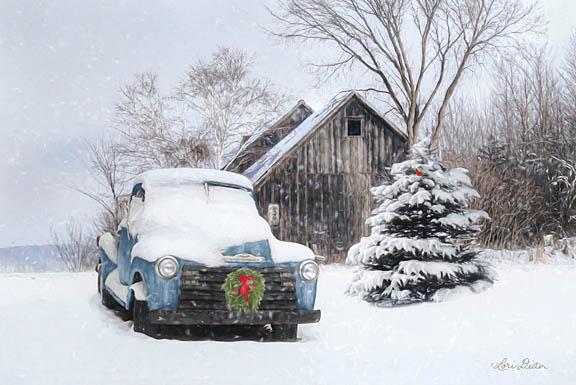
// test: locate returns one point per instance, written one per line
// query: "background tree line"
(520, 145)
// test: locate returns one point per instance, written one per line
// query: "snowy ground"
(54, 331)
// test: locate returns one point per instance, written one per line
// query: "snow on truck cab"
(193, 250)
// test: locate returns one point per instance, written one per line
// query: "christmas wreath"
(244, 290)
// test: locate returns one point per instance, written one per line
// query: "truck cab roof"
(175, 176)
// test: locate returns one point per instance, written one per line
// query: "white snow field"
(53, 330)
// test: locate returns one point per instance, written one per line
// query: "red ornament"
(418, 173)
(246, 284)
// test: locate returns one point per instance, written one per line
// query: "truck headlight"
(309, 270)
(167, 267)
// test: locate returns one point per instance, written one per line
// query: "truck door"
(127, 240)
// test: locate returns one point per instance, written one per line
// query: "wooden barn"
(312, 171)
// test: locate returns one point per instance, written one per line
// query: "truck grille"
(201, 289)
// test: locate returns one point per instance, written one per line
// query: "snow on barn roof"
(257, 170)
(266, 127)
(191, 175)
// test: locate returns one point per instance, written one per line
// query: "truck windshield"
(192, 202)
(207, 192)
(217, 193)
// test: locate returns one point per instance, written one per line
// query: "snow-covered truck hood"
(189, 222)
(201, 247)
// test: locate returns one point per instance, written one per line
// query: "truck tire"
(141, 320)
(108, 300)
(287, 332)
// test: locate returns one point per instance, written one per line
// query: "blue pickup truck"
(187, 232)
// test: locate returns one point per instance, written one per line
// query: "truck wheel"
(287, 332)
(141, 319)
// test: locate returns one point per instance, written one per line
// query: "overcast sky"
(62, 62)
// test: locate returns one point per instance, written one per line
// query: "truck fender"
(139, 290)
(109, 245)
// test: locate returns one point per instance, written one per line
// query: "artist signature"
(525, 364)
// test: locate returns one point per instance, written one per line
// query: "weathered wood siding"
(323, 185)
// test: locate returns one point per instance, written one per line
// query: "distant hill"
(20, 259)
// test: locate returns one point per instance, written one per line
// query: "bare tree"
(228, 99)
(108, 170)
(418, 50)
(470, 124)
(568, 74)
(528, 99)
(526, 105)
(76, 247)
(152, 135)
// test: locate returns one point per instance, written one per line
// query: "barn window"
(354, 126)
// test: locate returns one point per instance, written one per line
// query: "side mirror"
(107, 242)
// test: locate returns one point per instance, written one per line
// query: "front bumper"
(223, 317)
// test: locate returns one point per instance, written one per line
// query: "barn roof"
(271, 125)
(259, 168)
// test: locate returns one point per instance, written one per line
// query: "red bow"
(418, 172)
(246, 284)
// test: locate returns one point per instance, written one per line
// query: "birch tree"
(229, 100)
(108, 170)
(153, 134)
(418, 51)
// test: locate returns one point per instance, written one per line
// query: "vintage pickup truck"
(187, 232)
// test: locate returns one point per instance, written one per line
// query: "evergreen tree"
(421, 235)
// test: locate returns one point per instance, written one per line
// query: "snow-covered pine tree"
(421, 234)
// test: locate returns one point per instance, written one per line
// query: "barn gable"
(257, 170)
(267, 137)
